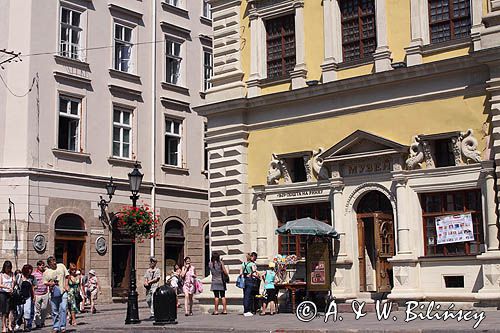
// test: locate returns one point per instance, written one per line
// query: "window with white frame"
(207, 69)
(175, 3)
(122, 133)
(69, 123)
(207, 10)
(173, 62)
(123, 48)
(173, 136)
(69, 42)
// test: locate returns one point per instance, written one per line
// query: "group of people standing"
(25, 296)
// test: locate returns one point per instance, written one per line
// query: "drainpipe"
(153, 120)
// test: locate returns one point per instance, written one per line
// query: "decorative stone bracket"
(463, 146)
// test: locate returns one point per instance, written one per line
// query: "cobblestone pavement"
(111, 318)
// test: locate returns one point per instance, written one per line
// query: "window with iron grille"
(359, 38)
(207, 69)
(207, 10)
(122, 130)
(69, 43)
(449, 20)
(451, 203)
(293, 244)
(123, 48)
(174, 60)
(69, 123)
(280, 45)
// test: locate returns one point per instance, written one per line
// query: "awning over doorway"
(307, 226)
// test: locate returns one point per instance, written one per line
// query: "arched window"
(70, 239)
(69, 223)
(173, 245)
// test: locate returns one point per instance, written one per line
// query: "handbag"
(198, 286)
(225, 277)
(240, 282)
(17, 296)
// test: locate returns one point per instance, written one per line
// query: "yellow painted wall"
(446, 55)
(355, 71)
(398, 124)
(276, 88)
(398, 34)
(245, 41)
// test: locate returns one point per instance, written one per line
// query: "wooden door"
(361, 255)
(384, 243)
(70, 250)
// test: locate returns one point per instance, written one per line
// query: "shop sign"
(454, 228)
(301, 193)
(318, 265)
(96, 232)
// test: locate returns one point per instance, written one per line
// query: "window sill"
(71, 155)
(272, 82)
(114, 73)
(355, 63)
(206, 20)
(118, 161)
(446, 46)
(176, 10)
(174, 169)
(176, 88)
(65, 61)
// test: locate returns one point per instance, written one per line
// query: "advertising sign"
(454, 228)
(318, 265)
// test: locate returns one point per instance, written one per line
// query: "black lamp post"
(135, 180)
(103, 203)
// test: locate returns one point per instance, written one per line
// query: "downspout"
(153, 122)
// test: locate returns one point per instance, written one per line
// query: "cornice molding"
(126, 11)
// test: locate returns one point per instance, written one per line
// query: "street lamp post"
(103, 203)
(135, 180)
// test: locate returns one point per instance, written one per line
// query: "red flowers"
(139, 221)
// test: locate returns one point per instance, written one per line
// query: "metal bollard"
(165, 305)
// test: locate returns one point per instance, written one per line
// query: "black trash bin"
(165, 305)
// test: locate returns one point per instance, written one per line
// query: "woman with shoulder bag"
(188, 273)
(219, 279)
(7, 283)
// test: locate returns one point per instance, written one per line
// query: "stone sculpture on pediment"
(275, 170)
(320, 171)
(307, 167)
(416, 154)
(456, 149)
(468, 144)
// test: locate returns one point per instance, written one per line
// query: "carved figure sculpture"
(416, 154)
(317, 164)
(469, 147)
(307, 167)
(275, 171)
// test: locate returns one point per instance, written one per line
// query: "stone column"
(402, 211)
(492, 243)
(382, 55)
(299, 73)
(253, 83)
(414, 51)
(332, 40)
(337, 187)
(260, 203)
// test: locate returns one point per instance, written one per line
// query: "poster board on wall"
(454, 228)
(318, 265)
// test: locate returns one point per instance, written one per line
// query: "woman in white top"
(7, 283)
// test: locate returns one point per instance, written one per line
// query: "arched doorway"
(70, 236)
(375, 242)
(173, 245)
(120, 260)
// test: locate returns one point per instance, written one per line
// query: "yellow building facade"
(378, 117)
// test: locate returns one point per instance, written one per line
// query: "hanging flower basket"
(139, 222)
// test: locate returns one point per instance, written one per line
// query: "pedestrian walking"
(56, 278)
(74, 284)
(41, 295)
(271, 294)
(219, 277)
(26, 286)
(174, 281)
(249, 271)
(151, 282)
(93, 288)
(84, 280)
(7, 283)
(188, 274)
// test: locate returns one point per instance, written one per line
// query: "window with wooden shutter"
(359, 38)
(280, 46)
(449, 19)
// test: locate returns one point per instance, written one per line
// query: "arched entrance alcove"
(69, 242)
(375, 224)
(121, 260)
(173, 245)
